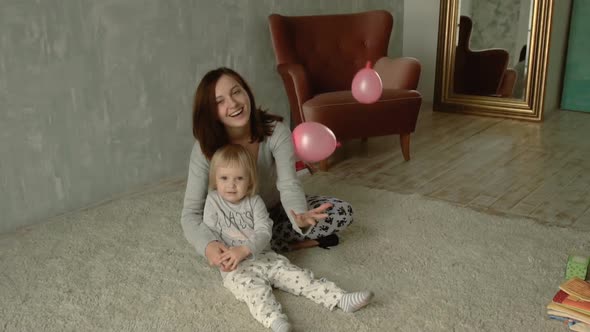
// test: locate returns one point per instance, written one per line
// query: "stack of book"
(571, 304)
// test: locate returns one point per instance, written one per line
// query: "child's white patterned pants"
(253, 280)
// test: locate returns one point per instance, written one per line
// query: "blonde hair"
(234, 155)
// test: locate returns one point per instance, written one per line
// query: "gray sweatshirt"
(277, 183)
(243, 224)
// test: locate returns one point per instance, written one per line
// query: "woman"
(224, 112)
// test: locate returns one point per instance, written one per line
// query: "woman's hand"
(311, 217)
(213, 252)
(233, 256)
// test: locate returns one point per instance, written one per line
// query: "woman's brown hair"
(207, 128)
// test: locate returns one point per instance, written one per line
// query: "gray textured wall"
(95, 96)
(500, 24)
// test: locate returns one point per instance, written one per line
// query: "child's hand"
(213, 252)
(233, 256)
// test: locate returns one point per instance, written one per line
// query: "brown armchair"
(317, 58)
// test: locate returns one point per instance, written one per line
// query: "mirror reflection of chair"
(317, 58)
(520, 71)
(534, 23)
(506, 89)
(481, 72)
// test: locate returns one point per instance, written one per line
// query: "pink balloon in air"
(367, 85)
(313, 141)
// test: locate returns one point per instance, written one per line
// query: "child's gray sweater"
(277, 183)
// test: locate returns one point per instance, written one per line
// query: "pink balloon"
(367, 85)
(313, 141)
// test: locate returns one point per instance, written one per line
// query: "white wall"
(420, 40)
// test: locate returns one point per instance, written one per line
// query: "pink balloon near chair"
(313, 141)
(367, 86)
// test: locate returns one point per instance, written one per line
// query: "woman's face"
(233, 103)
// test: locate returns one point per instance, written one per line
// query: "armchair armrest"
(399, 73)
(297, 88)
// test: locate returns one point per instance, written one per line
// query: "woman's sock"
(351, 302)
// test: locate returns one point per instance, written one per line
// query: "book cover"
(557, 309)
(572, 302)
(579, 327)
(577, 287)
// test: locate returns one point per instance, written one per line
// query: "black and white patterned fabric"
(340, 215)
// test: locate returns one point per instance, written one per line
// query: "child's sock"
(351, 302)
(280, 325)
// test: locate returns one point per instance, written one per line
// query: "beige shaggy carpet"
(124, 266)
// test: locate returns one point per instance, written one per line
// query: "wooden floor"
(500, 166)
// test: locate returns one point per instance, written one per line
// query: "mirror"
(492, 57)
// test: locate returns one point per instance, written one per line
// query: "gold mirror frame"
(528, 108)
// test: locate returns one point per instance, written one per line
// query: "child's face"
(232, 183)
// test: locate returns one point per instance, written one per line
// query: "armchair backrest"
(477, 72)
(331, 48)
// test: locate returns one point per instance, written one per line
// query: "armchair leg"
(324, 165)
(404, 140)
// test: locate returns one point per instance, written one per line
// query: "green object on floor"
(577, 266)
(576, 81)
